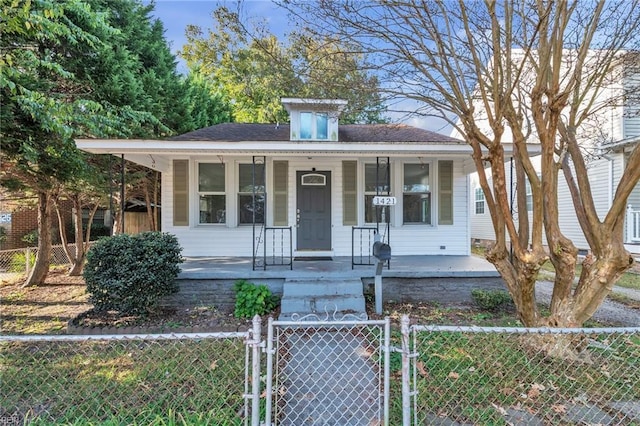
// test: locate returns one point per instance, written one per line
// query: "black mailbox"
(381, 250)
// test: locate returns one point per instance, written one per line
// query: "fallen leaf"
(501, 410)
(533, 393)
(423, 371)
(559, 408)
(535, 390)
(453, 375)
(214, 364)
(506, 391)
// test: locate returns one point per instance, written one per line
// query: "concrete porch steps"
(325, 297)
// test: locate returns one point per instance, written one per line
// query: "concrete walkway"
(329, 379)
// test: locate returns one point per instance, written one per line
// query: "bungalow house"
(308, 188)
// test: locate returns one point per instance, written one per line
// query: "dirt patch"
(49, 309)
(42, 309)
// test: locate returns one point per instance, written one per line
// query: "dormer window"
(314, 125)
(314, 119)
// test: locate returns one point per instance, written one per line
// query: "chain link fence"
(17, 262)
(350, 373)
(187, 379)
(493, 376)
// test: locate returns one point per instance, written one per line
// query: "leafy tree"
(205, 106)
(44, 104)
(253, 69)
(537, 71)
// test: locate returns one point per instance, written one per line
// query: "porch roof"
(263, 139)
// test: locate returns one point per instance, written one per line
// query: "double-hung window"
(416, 194)
(250, 184)
(373, 180)
(314, 125)
(211, 193)
(479, 201)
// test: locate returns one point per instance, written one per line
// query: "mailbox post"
(382, 252)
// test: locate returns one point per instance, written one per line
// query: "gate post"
(255, 343)
(269, 372)
(387, 355)
(406, 370)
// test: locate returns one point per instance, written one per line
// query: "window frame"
(240, 193)
(479, 201)
(372, 193)
(313, 130)
(222, 194)
(429, 192)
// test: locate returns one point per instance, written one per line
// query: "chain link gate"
(322, 372)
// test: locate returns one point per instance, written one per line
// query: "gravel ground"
(610, 311)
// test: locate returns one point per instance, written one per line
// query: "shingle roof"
(251, 132)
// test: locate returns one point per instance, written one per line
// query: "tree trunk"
(43, 257)
(78, 258)
(82, 241)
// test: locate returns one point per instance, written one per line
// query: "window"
(371, 213)
(314, 125)
(211, 196)
(479, 201)
(306, 120)
(322, 126)
(416, 197)
(246, 186)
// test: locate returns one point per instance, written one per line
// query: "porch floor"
(339, 267)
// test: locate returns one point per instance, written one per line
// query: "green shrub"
(253, 299)
(31, 237)
(491, 300)
(130, 274)
(19, 261)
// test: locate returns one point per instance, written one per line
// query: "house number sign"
(384, 201)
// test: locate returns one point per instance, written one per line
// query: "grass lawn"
(123, 382)
(469, 377)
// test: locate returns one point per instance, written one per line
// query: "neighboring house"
(237, 189)
(607, 141)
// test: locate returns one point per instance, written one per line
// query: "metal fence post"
(255, 370)
(269, 372)
(406, 376)
(387, 355)
(27, 256)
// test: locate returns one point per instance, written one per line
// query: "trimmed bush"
(253, 299)
(491, 300)
(130, 274)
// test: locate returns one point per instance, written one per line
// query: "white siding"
(632, 110)
(604, 175)
(481, 224)
(232, 240)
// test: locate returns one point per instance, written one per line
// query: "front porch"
(229, 268)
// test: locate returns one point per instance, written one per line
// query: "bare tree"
(523, 76)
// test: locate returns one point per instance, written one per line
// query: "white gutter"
(158, 147)
(628, 141)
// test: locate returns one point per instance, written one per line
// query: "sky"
(177, 14)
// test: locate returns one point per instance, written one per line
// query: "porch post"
(630, 223)
(122, 202)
